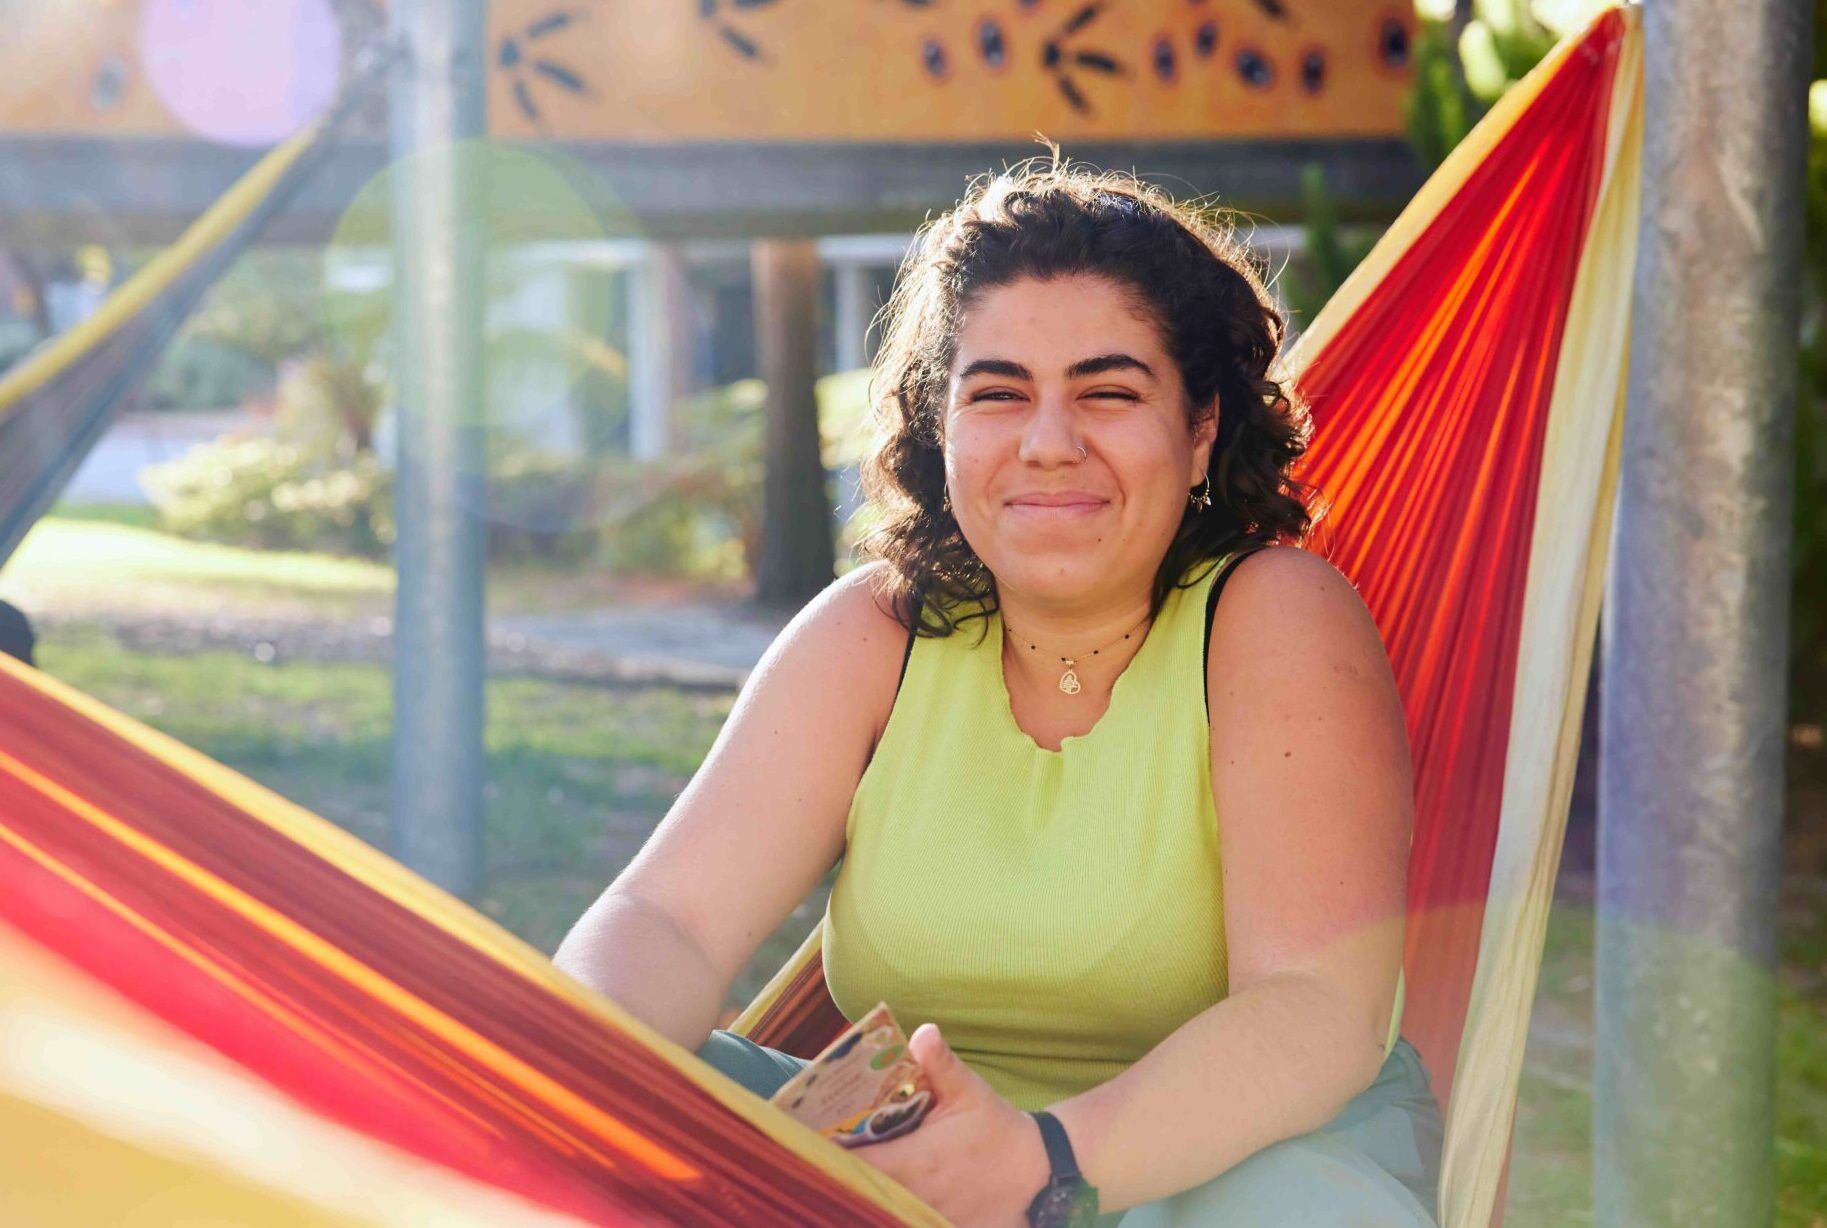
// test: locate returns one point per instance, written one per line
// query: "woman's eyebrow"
(1083, 367)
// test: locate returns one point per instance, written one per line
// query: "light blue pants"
(1375, 1165)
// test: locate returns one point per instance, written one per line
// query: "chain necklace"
(1068, 681)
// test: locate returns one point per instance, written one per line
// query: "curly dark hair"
(1181, 264)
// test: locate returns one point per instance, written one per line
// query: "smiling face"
(1041, 369)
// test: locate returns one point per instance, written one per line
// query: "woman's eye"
(1002, 394)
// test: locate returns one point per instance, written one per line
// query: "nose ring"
(1083, 455)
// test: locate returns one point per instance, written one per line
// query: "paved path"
(697, 639)
(692, 646)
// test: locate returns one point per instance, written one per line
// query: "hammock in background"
(214, 1003)
(57, 402)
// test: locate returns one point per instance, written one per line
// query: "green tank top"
(1056, 913)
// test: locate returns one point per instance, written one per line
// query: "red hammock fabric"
(1443, 385)
(153, 882)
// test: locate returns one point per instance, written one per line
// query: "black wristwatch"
(1067, 1200)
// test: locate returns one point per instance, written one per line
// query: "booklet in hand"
(864, 1087)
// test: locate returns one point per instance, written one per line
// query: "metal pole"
(438, 113)
(1696, 626)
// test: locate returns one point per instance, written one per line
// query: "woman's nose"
(1050, 435)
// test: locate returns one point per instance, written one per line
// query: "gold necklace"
(1068, 681)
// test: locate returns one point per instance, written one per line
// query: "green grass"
(133, 515)
(109, 561)
(78, 566)
(1551, 1171)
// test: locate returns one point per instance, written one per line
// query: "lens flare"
(553, 362)
(240, 73)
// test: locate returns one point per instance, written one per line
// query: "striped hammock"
(57, 403)
(216, 1006)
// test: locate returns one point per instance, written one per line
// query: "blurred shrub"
(260, 313)
(315, 486)
(328, 403)
(539, 507)
(694, 514)
(275, 494)
(697, 512)
(202, 373)
(1330, 254)
(267, 305)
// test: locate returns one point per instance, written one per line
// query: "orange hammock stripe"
(366, 983)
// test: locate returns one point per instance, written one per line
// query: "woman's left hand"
(975, 1158)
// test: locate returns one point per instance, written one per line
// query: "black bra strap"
(1211, 607)
(916, 606)
(905, 658)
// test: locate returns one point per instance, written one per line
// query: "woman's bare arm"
(1312, 783)
(760, 823)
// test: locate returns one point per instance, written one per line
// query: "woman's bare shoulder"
(847, 642)
(1282, 572)
(1288, 612)
(859, 606)
(854, 616)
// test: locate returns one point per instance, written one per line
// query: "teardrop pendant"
(1068, 682)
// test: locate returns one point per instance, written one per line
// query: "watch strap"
(1059, 1147)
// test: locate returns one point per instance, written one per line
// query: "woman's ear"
(1205, 435)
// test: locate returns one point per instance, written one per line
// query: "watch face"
(1070, 1204)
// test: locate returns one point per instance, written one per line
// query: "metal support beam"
(437, 103)
(1696, 627)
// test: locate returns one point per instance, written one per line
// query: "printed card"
(865, 1087)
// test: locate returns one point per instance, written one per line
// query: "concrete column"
(663, 329)
(854, 308)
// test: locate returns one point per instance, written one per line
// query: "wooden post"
(798, 550)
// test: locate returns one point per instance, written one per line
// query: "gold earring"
(1201, 499)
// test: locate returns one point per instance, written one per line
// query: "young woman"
(1130, 861)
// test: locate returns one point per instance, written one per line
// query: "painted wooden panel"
(663, 71)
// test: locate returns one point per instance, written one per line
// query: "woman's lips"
(1065, 509)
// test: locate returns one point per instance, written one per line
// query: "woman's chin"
(1055, 573)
